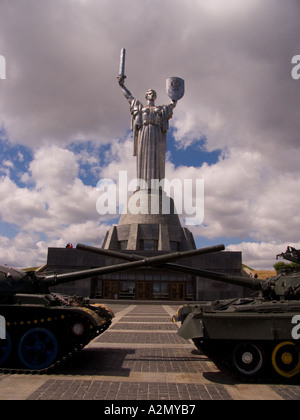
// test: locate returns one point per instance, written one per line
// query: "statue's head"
(151, 95)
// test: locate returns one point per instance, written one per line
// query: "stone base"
(149, 222)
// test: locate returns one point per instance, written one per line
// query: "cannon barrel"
(135, 262)
(252, 283)
(134, 257)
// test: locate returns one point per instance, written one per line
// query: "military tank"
(250, 333)
(42, 329)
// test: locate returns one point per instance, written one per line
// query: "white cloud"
(19, 205)
(245, 198)
(262, 255)
(25, 250)
(57, 206)
(7, 163)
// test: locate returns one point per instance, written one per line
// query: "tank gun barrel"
(252, 283)
(134, 257)
(56, 279)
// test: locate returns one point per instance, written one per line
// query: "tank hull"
(248, 334)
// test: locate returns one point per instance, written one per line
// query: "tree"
(284, 266)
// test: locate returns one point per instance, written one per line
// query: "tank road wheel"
(248, 359)
(286, 359)
(38, 349)
(5, 349)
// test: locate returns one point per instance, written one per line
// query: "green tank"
(250, 333)
(43, 329)
(40, 329)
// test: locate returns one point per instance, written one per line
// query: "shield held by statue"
(175, 88)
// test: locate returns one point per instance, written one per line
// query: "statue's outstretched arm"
(125, 91)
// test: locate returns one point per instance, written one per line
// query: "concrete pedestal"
(149, 222)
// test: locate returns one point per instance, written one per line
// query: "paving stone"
(144, 326)
(143, 337)
(97, 390)
(288, 392)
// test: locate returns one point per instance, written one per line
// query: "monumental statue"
(150, 124)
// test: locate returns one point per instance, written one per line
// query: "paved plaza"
(141, 357)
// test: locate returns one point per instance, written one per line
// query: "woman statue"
(150, 124)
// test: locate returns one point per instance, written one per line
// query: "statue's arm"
(173, 103)
(125, 91)
(168, 109)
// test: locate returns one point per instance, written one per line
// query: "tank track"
(57, 364)
(68, 347)
(48, 370)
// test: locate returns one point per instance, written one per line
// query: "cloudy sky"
(64, 123)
